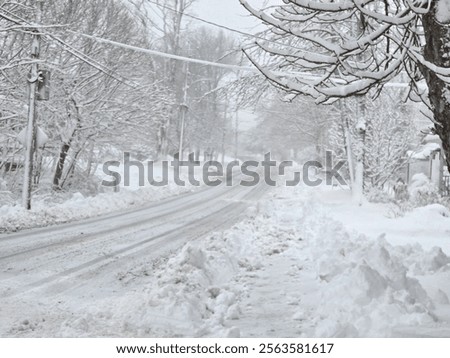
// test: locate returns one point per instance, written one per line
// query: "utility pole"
(224, 128)
(184, 109)
(33, 79)
(236, 134)
(236, 126)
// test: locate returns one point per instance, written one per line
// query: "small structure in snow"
(429, 159)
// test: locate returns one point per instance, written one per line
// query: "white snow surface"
(15, 217)
(45, 211)
(294, 267)
(425, 151)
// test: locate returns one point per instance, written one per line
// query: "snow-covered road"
(68, 257)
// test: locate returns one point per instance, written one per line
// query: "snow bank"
(429, 214)
(195, 286)
(45, 213)
(366, 288)
(362, 286)
(56, 208)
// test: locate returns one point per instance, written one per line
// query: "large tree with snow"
(331, 49)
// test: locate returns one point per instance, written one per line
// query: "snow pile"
(365, 285)
(420, 262)
(192, 293)
(429, 213)
(195, 286)
(366, 292)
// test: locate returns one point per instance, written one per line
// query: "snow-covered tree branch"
(353, 47)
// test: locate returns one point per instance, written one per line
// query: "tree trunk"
(349, 152)
(437, 51)
(346, 135)
(90, 160)
(359, 151)
(71, 172)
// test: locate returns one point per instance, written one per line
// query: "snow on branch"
(350, 46)
(329, 6)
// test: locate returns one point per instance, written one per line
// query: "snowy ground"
(301, 262)
(48, 210)
(427, 226)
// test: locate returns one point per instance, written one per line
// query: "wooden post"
(30, 145)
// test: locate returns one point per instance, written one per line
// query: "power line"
(167, 55)
(305, 75)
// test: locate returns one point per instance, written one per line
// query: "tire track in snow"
(130, 222)
(218, 219)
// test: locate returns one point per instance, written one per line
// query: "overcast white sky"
(225, 12)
